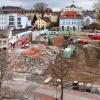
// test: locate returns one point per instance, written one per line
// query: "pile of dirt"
(85, 66)
(31, 52)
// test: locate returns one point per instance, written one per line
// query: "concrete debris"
(35, 63)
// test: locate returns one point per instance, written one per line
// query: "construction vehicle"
(94, 35)
(23, 41)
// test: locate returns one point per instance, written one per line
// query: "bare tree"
(40, 8)
(59, 69)
(3, 68)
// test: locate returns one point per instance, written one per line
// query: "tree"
(3, 68)
(40, 7)
(55, 24)
(59, 69)
(58, 21)
(34, 19)
(94, 26)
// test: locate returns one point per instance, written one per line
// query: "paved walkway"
(42, 92)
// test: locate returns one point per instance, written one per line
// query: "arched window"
(67, 28)
(74, 28)
(62, 28)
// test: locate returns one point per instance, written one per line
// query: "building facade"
(87, 20)
(14, 21)
(42, 23)
(3, 21)
(89, 17)
(73, 8)
(70, 21)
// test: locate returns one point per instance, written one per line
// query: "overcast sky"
(55, 4)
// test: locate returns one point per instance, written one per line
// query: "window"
(73, 28)
(11, 23)
(11, 18)
(19, 22)
(67, 28)
(19, 19)
(62, 28)
(4, 42)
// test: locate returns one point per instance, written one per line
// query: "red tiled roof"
(12, 9)
(70, 15)
(46, 19)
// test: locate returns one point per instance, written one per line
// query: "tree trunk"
(42, 14)
(61, 89)
(0, 86)
(0, 90)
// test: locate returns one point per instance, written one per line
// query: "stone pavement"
(35, 91)
(49, 93)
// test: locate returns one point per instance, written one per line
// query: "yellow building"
(42, 23)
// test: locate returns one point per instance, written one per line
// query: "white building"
(73, 8)
(70, 21)
(87, 20)
(3, 21)
(89, 17)
(14, 21)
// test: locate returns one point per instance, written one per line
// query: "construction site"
(31, 56)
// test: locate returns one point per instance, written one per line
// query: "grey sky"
(55, 4)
